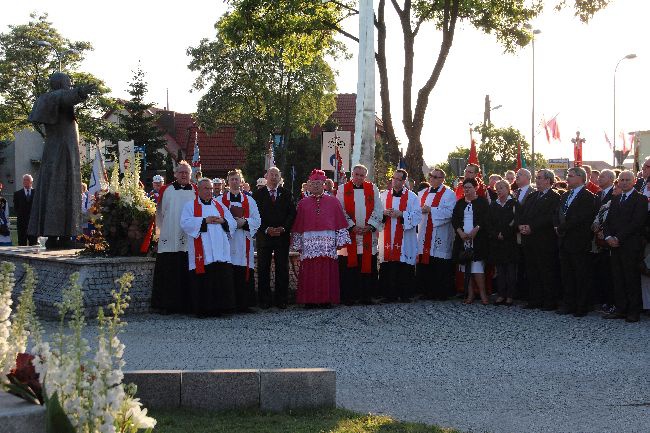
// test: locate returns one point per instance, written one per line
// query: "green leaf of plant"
(56, 419)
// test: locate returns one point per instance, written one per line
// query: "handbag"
(467, 255)
(4, 230)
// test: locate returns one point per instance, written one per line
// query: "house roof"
(218, 151)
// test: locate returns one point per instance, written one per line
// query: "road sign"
(558, 163)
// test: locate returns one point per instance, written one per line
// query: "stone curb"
(269, 390)
(20, 416)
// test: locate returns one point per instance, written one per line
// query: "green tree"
(258, 94)
(25, 68)
(139, 123)
(304, 29)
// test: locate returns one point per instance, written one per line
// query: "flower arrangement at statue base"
(123, 217)
(81, 390)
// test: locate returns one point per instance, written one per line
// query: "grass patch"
(322, 421)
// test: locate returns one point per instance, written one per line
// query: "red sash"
(393, 251)
(348, 202)
(428, 234)
(199, 259)
(247, 213)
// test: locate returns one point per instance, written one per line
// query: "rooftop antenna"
(167, 108)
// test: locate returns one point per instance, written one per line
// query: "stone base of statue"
(97, 277)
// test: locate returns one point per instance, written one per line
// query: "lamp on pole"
(629, 56)
(532, 115)
(59, 54)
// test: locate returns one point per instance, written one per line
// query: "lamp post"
(629, 56)
(59, 54)
(532, 115)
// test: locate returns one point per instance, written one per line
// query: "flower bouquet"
(81, 393)
(122, 216)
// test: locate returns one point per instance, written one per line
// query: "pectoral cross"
(199, 257)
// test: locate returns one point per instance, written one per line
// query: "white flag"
(98, 180)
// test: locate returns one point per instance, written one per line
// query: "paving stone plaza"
(476, 368)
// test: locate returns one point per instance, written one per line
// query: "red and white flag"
(627, 144)
(473, 155)
(609, 143)
(552, 130)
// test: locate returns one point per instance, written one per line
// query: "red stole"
(348, 202)
(393, 253)
(428, 234)
(199, 259)
(247, 213)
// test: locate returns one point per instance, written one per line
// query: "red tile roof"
(218, 151)
(344, 114)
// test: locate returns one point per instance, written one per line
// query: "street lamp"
(629, 56)
(59, 54)
(532, 121)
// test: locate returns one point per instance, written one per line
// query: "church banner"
(127, 154)
(342, 139)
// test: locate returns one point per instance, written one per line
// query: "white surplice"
(412, 215)
(238, 241)
(171, 238)
(375, 219)
(442, 235)
(216, 241)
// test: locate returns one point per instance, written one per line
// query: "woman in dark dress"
(503, 242)
(469, 220)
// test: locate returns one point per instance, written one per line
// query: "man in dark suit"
(277, 211)
(522, 190)
(539, 242)
(23, 207)
(624, 234)
(602, 268)
(573, 226)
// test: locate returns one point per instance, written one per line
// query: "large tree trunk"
(414, 152)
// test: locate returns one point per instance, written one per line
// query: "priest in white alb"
(244, 210)
(209, 227)
(319, 229)
(398, 241)
(358, 260)
(435, 268)
(170, 273)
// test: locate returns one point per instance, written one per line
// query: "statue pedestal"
(97, 277)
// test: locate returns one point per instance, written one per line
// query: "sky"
(574, 68)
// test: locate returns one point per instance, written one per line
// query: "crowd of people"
(563, 246)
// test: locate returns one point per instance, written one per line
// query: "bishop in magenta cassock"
(209, 227)
(319, 229)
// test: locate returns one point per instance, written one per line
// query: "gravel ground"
(476, 368)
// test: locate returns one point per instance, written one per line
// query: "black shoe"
(265, 306)
(245, 310)
(549, 308)
(579, 314)
(563, 312)
(281, 306)
(530, 306)
(632, 318)
(613, 316)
